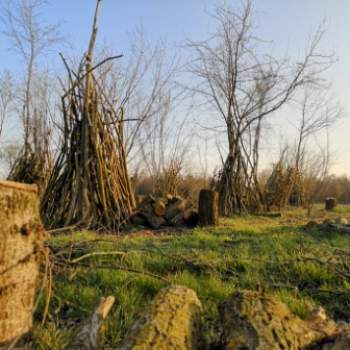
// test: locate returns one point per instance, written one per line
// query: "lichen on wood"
(21, 238)
(172, 322)
(255, 321)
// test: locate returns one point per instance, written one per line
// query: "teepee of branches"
(89, 186)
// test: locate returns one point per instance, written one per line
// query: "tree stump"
(330, 203)
(21, 237)
(208, 208)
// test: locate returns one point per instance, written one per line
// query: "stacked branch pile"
(89, 186)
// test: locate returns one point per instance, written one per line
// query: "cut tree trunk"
(178, 220)
(152, 219)
(173, 322)
(255, 321)
(175, 208)
(21, 241)
(330, 203)
(208, 208)
(159, 207)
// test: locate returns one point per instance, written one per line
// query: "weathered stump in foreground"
(173, 322)
(208, 208)
(21, 236)
(330, 203)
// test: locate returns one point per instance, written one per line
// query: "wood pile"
(89, 186)
(157, 212)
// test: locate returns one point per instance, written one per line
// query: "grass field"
(301, 266)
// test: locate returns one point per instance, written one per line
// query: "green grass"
(260, 253)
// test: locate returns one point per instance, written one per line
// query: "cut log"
(149, 199)
(178, 220)
(187, 213)
(175, 208)
(169, 198)
(173, 323)
(330, 203)
(340, 228)
(208, 208)
(173, 198)
(90, 332)
(21, 242)
(139, 199)
(138, 220)
(159, 207)
(255, 321)
(192, 220)
(153, 220)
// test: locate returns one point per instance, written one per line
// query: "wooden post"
(208, 208)
(21, 237)
(330, 203)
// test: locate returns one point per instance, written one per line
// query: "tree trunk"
(21, 237)
(330, 203)
(208, 208)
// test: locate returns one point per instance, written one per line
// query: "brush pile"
(157, 212)
(89, 186)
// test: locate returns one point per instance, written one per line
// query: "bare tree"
(318, 112)
(245, 87)
(164, 145)
(6, 98)
(139, 84)
(31, 40)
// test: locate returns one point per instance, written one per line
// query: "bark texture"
(254, 321)
(173, 322)
(21, 237)
(208, 208)
(90, 332)
(330, 203)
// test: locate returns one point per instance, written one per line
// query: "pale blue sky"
(286, 22)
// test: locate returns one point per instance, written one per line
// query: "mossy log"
(255, 321)
(172, 322)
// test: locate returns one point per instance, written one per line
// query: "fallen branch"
(341, 228)
(127, 269)
(88, 336)
(86, 256)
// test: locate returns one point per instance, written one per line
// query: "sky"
(286, 23)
